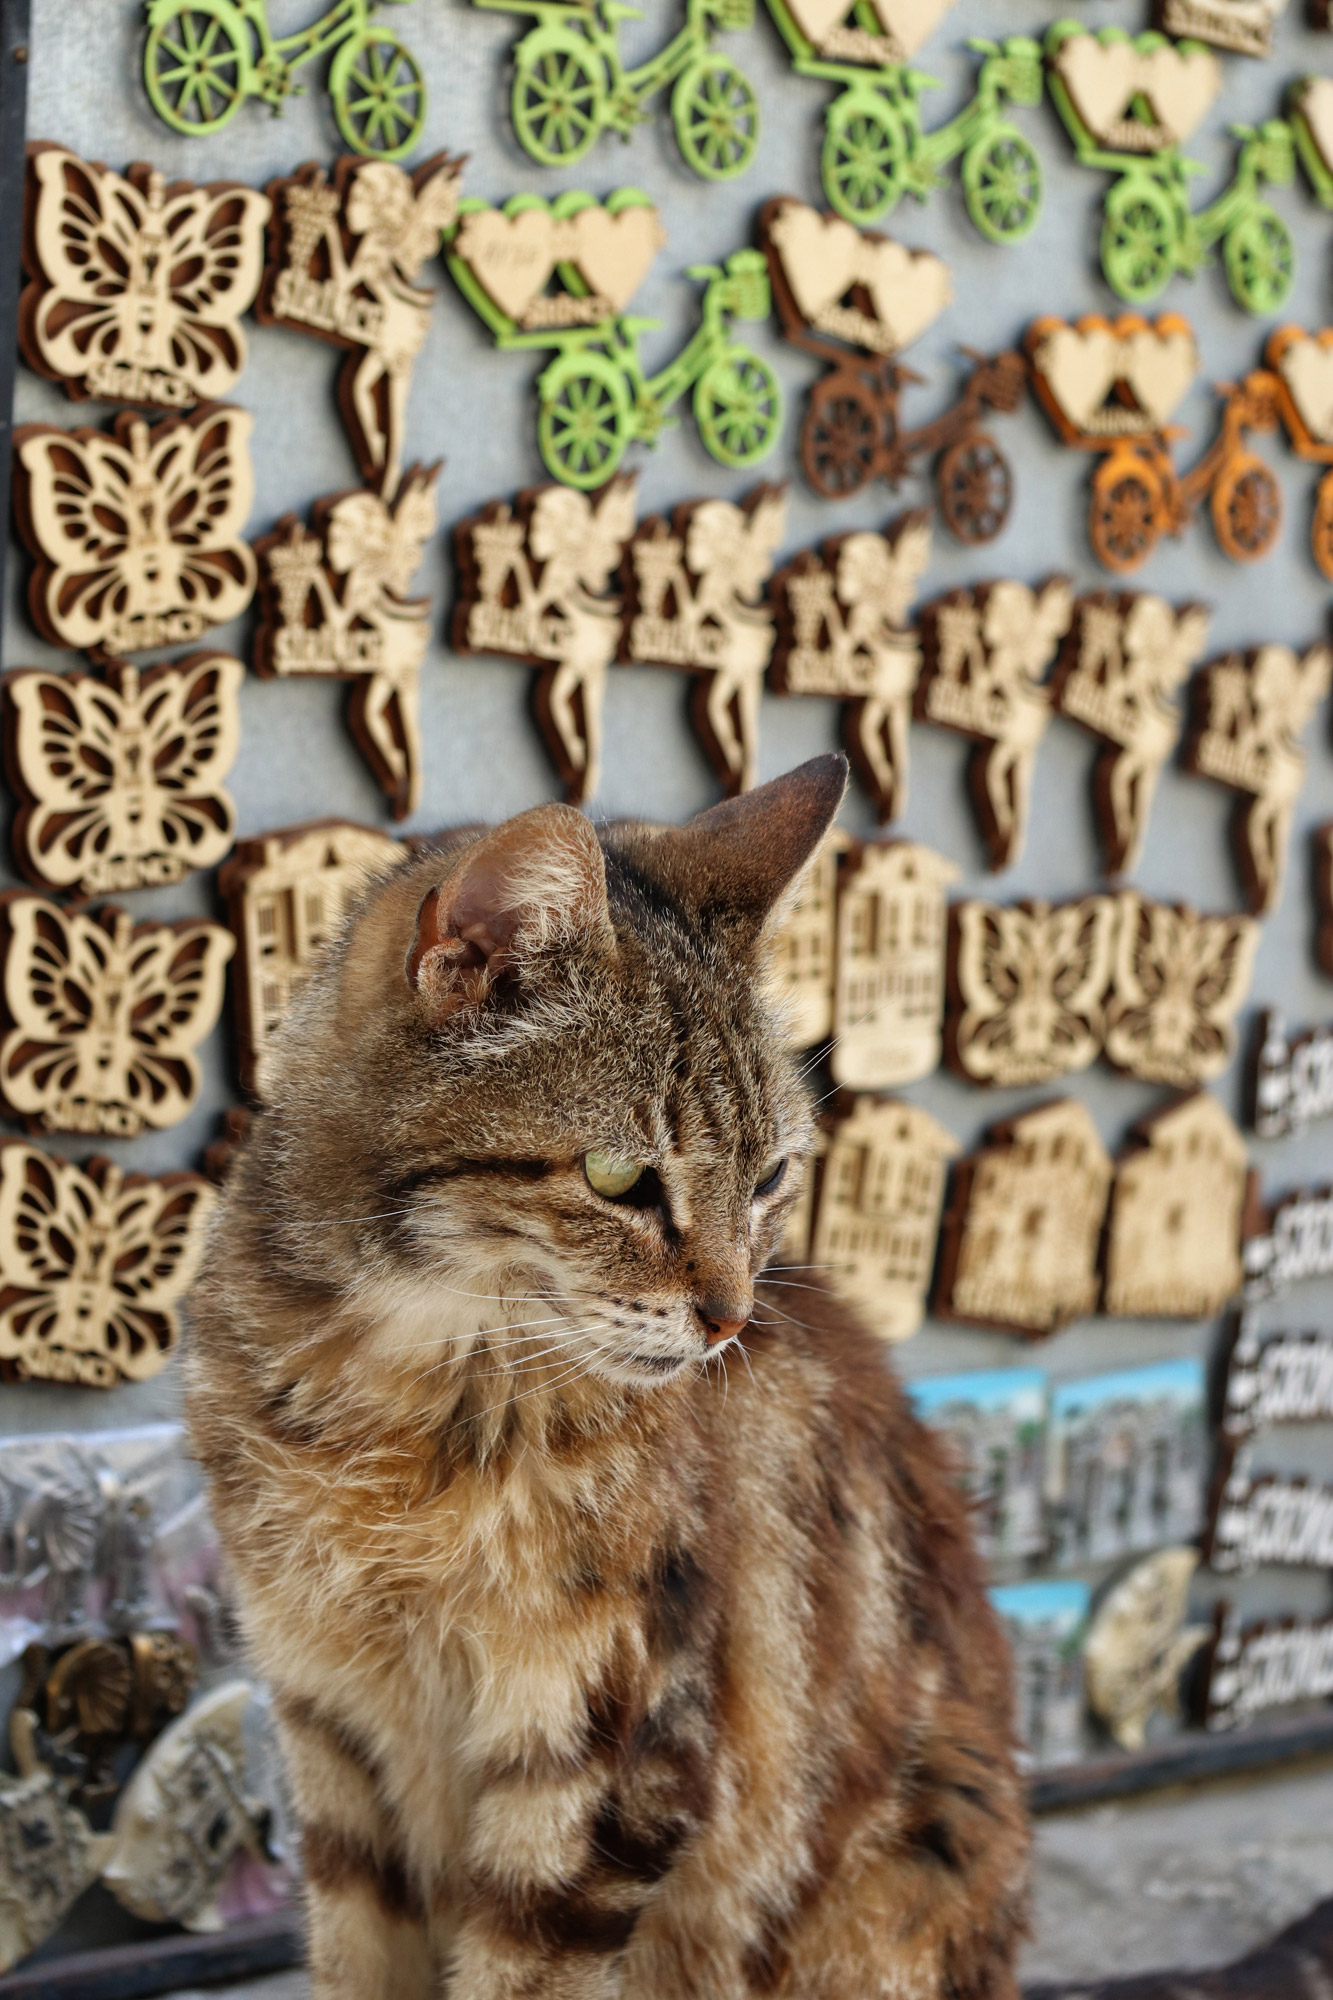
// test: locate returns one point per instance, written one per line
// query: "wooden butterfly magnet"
(343, 264)
(93, 1266)
(1174, 1233)
(135, 287)
(334, 603)
(1026, 988)
(842, 629)
(1178, 981)
(535, 584)
(136, 532)
(986, 651)
(1247, 712)
(695, 598)
(104, 1016)
(120, 780)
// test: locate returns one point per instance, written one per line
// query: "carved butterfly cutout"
(1179, 981)
(137, 535)
(1028, 987)
(94, 1263)
(134, 275)
(106, 1016)
(122, 777)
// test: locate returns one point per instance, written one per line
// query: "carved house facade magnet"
(805, 949)
(1174, 1236)
(877, 1216)
(888, 995)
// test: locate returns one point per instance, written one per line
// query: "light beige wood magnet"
(803, 952)
(1178, 983)
(888, 996)
(824, 258)
(877, 1216)
(1026, 985)
(1173, 1244)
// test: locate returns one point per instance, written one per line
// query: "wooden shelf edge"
(1186, 1759)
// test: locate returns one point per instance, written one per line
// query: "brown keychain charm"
(1026, 986)
(1173, 1237)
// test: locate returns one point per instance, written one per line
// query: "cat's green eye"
(772, 1180)
(611, 1174)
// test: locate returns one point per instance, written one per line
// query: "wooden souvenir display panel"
(1021, 1232)
(888, 996)
(1173, 1243)
(120, 779)
(1120, 664)
(104, 1016)
(1265, 1664)
(695, 599)
(1292, 1081)
(804, 950)
(986, 655)
(1279, 1377)
(287, 893)
(94, 1263)
(1139, 1644)
(136, 533)
(135, 288)
(535, 584)
(1026, 986)
(1179, 981)
(842, 630)
(1248, 710)
(878, 1210)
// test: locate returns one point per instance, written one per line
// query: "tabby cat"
(625, 1629)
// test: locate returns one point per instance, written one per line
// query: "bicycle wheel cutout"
(583, 427)
(716, 115)
(839, 442)
(1260, 260)
(557, 103)
(1123, 525)
(976, 489)
(195, 70)
(379, 95)
(862, 162)
(1002, 186)
(1247, 511)
(738, 408)
(1138, 242)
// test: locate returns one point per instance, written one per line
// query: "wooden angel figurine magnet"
(842, 629)
(535, 583)
(695, 599)
(136, 288)
(1247, 713)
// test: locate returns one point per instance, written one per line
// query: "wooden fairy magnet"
(1173, 1240)
(842, 629)
(695, 599)
(536, 583)
(334, 603)
(1026, 988)
(888, 994)
(104, 1016)
(986, 654)
(1021, 1232)
(93, 1266)
(343, 263)
(136, 532)
(120, 780)
(1247, 712)
(1120, 663)
(135, 288)
(1179, 980)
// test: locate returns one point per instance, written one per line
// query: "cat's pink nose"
(720, 1321)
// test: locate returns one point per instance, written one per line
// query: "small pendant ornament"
(104, 1016)
(888, 996)
(135, 289)
(120, 780)
(536, 584)
(93, 1265)
(1173, 1242)
(53, 1504)
(877, 1211)
(1139, 1645)
(1026, 987)
(695, 598)
(1179, 981)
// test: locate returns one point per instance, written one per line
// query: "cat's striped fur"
(602, 1672)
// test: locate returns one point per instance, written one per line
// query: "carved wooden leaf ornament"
(695, 599)
(105, 1016)
(1122, 660)
(1024, 1223)
(93, 1265)
(334, 603)
(1173, 1241)
(1026, 988)
(136, 289)
(1248, 711)
(986, 654)
(136, 535)
(1179, 981)
(888, 996)
(1138, 1645)
(121, 779)
(536, 584)
(287, 894)
(841, 630)
(878, 1212)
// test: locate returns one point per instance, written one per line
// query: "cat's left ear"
(743, 856)
(534, 887)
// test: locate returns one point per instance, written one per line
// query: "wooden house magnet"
(135, 288)
(1120, 664)
(535, 583)
(888, 995)
(1023, 1225)
(695, 599)
(1178, 982)
(986, 654)
(842, 629)
(804, 950)
(1026, 986)
(877, 1215)
(120, 780)
(1173, 1243)
(1248, 711)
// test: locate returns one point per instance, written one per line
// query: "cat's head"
(544, 1069)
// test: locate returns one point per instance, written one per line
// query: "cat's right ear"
(534, 887)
